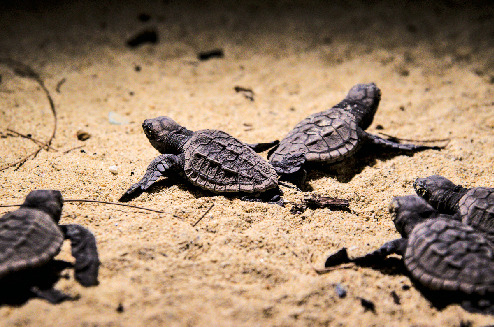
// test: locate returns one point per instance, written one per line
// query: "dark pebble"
(368, 305)
(144, 17)
(147, 36)
(216, 53)
(396, 298)
(120, 308)
(404, 72)
(467, 323)
(83, 135)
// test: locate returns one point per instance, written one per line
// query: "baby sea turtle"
(210, 159)
(474, 206)
(30, 237)
(335, 134)
(441, 253)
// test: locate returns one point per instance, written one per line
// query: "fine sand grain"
(244, 264)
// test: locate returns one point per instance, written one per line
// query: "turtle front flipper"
(261, 147)
(160, 166)
(51, 295)
(85, 252)
(407, 147)
(397, 246)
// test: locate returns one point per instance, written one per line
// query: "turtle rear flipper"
(160, 166)
(85, 252)
(407, 147)
(52, 295)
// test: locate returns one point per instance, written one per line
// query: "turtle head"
(439, 191)
(408, 211)
(364, 99)
(48, 201)
(164, 134)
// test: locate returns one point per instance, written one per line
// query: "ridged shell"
(445, 254)
(218, 162)
(476, 208)
(327, 136)
(28, 238)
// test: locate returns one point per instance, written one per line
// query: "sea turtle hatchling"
(210, 159)
(474, 206)
(30, 237)
(332, 135)
(441, 253)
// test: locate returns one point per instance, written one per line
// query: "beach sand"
(244, 264)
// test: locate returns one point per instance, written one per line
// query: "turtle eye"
(147, 129)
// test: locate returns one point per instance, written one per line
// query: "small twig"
(102, 202)
(59, 84)
(246, 92)
(26, 71)
(9, 205)
(44, 145)
(120, 204)
(412, 140)
(75, 148)
(198, 220)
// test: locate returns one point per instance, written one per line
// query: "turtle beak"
(146, 127)
(420, 188)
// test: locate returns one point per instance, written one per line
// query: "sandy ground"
(244, 264)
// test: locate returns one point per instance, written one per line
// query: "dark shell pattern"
(444, 254)
(476, 208)
(28, 238)
(218, 162)
(327, 136)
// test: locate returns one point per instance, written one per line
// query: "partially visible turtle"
(474, 206)
(30, 237)
(210, 159)
(335, 134)
(439, 252)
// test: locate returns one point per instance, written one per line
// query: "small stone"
(116, 119)
(120, 308)
(113, 170)
(83, 135)
(340, 290)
